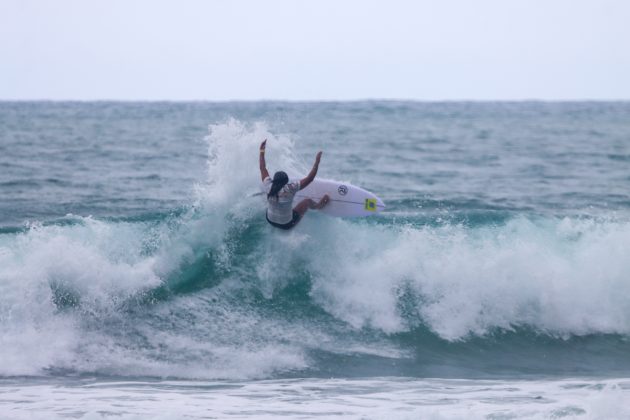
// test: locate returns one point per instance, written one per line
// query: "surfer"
(280, 193)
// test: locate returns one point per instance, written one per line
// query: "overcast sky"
(314, 50)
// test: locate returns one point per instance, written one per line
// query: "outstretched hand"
(311, 176)
(263, 167)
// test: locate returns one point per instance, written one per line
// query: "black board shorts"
(286, 226)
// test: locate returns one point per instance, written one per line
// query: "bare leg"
(307, 203)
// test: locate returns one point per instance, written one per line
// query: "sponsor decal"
(370, 204)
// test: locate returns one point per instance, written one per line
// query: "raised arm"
(263, 167)
(311, 176)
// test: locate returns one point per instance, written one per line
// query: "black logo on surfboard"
(342, 190)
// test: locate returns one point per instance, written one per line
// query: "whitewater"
(139, 278)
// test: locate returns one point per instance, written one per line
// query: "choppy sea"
(139, 278)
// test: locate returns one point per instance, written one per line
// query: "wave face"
(470, 285)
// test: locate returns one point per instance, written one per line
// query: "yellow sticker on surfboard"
(370, 204)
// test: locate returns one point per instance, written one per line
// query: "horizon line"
(462, 100)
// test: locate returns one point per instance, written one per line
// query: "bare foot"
(322, 203)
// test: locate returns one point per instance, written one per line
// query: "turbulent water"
(138, 276)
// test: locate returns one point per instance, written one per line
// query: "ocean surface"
(139, 278)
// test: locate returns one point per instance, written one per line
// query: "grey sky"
(324, 49)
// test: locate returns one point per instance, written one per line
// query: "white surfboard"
(346, 200)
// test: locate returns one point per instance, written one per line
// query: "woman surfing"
(280, 193)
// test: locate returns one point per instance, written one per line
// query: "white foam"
(378, 398)
(561, 276)
(97, 262)
(102, 265)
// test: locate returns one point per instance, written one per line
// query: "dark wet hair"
(280, 179)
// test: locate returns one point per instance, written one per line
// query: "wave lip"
(560, 277)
